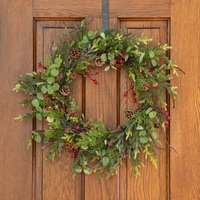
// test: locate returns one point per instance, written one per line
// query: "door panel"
(55, 176)
(153, 181)
(105, 102)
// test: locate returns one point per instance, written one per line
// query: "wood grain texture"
(142, 8)
(66, 8)
(55, 176)
(152, 184)
(185, 126)
(101, 105)
(15, 58)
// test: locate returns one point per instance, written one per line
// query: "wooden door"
(28, 30)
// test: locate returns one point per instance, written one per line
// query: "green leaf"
(85, 40)
(91, 34)
(87, 171)
(35, 102)
(55, 87)
(58, 61)
(84, 147)
(144, 140)
(50, 119)
(107, 68)
(154, 63)
(132, 76)
(139, 128)
(37, 138)
(151, 54)
(129, 49)
(102, 34)
(78, 169)
(50, 80)
(50, 89)
(126, 57)
(111, 56)
(149, 110)
(141, 57)
(40, 96)
(154, 135)
(54, 72)
(142, 133)
(44, 89)
(38, 116)
(105, 160)
(152, 114)
(104, 57)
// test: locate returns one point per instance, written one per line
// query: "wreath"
(94, 147)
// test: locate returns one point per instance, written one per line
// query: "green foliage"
(93, 146)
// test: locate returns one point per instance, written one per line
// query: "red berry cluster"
(40, 66)
(165, 113)
(72, 150)
(87, 74)
(131, 89)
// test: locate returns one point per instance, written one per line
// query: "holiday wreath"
(94, 147)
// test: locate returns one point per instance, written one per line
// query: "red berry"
(76, 127)
(45, 96)
(164, 111)
(126, 156)
(168, 118)
(123, 54)
(166, 124)
(40, 65)
(44, 67)
(126, 93)
(121, 62)
(134, 100)
(86, 121)
(86, 74)
(89, 68)
(97, 73)
(94, 81)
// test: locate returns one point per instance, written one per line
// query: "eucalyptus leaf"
(107, 68)
(78, 169)
(139, 127)
(105, 160)
(55, 87)
(104, 57)
(154, 63)
(154, 135)
(87, 171)
(58, 61)
(102, 34)
(54, 72)
(43, 89)
(144, 140)
(50, 119)
(40, 96)
(35, 102)
(152, 114)
(141, 57)
(50, 80)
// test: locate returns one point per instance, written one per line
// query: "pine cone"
(119, 60)
(74, 53)
(128, 114)
(65, 91)
(155, 84)
(98, 62)
(156, 125)
(113, 62)
(145, 87)
(67, 129)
